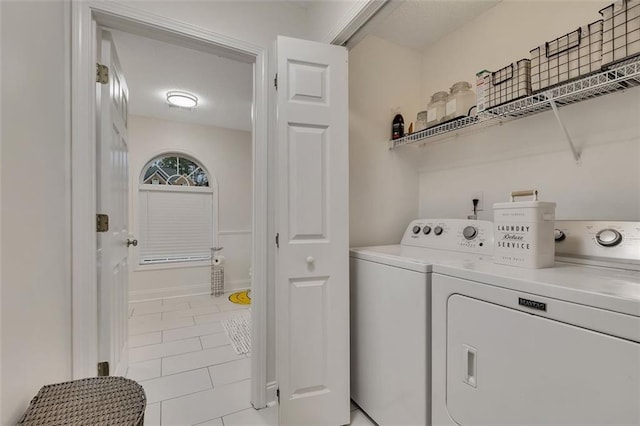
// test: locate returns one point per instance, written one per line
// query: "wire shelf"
(620, 77)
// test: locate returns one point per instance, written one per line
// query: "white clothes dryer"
(548, 346)
(390, 315)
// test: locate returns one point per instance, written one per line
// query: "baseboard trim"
(189, 290)
(168, 292)
(235, 232)
(237, 285)
(272, 397)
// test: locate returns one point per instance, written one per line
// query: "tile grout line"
(148, 344)
(189, 393)
(224, 415)
(211, 378)
(163, 329)
(190, 337)
(172, 308)
(208, 366)
(189, 312)
(236, 412)
(200, 334)
(205, 390)
(192, 369)
(188, 371)
(167, 355)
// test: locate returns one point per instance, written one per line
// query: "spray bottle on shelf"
(474, 216)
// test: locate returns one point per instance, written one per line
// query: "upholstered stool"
(94, 401)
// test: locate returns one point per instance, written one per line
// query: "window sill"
(171, 265)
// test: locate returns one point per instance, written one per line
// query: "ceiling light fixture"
(182, 99)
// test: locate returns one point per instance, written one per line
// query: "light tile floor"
(182, 357)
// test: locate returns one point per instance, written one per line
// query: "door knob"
(310, 260)
(132, 242)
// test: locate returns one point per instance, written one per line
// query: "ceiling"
(417, 24)
(224, 87)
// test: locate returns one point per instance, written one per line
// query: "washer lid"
(396, 256)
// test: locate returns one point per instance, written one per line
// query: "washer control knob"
(469, 232)
(437, 230)
(426, 230)
(416, 229)
(608, 238)
(559, 235)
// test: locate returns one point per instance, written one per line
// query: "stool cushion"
(92, 401)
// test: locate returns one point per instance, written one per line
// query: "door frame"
(84, 16)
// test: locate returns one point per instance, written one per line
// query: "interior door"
(312, 266)
(112, 199)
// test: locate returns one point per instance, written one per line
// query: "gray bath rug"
(239, 332)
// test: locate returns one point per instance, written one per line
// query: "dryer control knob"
(558, 235)
(469, 232)
(608, 238)
(437, 230)
(416, 229)
(426, 230)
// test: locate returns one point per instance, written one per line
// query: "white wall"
(36, 301)
(328, 18)
(503, 34)
(257, 22)
(35, 294)
(383, 184)
(531, 152)
(226, 154)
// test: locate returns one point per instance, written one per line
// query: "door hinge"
(102, 74)
(278, 395)
(103, 369)
(275, 82)
(102, 222)
(278, 240)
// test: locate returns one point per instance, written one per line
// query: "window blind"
(175, 226)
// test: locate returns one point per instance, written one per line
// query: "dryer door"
(505, 366)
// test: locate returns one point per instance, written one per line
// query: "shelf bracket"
(574, 151)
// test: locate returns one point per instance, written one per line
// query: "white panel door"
(112, 199)
(312, 276)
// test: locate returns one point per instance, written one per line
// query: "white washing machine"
(550, 346)
(390, 315)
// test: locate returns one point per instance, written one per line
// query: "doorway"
(86, 20)
(190, 170)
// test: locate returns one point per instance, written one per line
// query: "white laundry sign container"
(524, 232)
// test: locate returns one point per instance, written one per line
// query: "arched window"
(175, 210)
(174, 170)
